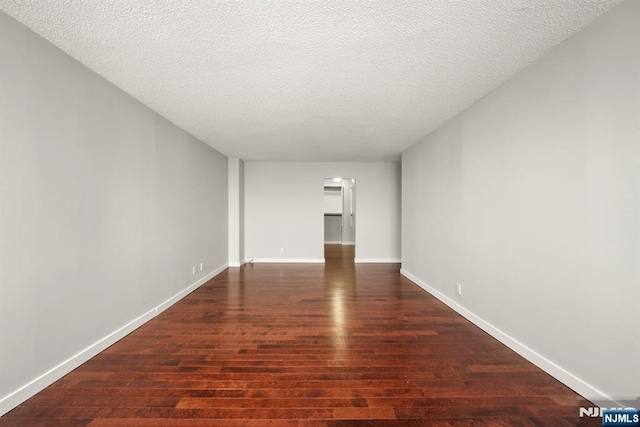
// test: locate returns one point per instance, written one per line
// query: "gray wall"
(236, 212)
(284, 205)
(530, 200)
(241, 216)
(348, 220)
(105, 207)
(332, 229)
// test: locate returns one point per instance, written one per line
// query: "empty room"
(319, 213)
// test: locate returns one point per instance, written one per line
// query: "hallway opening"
(339, 217)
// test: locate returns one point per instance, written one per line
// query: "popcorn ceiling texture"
(304, 80)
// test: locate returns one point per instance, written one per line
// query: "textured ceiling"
(306, 80)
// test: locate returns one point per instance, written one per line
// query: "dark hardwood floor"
(305, 345)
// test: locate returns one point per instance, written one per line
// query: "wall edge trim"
(558, 372)
(186, 291)
(16, 397)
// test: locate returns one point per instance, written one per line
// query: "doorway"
(339, 219)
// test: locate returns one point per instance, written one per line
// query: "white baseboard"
(18, 396)
(290, 260)
(338, 242)
(348, 243)
(186, 291)
(236, 264)
(556, 371)
(377, 261)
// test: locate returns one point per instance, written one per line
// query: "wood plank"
(305, 345)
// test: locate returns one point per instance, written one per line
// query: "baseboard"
(183, 293)
(338, 242)
(236, 264)
(377, 261)
(28, 390)
(290, 260)
(348, 243)
(15, 398)
(556, 371)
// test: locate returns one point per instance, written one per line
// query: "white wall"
(530, 200)
(236, 212)
(105, 207)
(241, 216)
(333, 200)
(333, 229)
(284, 209)
(349, 221)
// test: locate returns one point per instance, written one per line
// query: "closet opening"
(339, 219)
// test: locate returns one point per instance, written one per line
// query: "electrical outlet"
(201, 266)
(194, 270)
(281, 250)
(459, 288)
